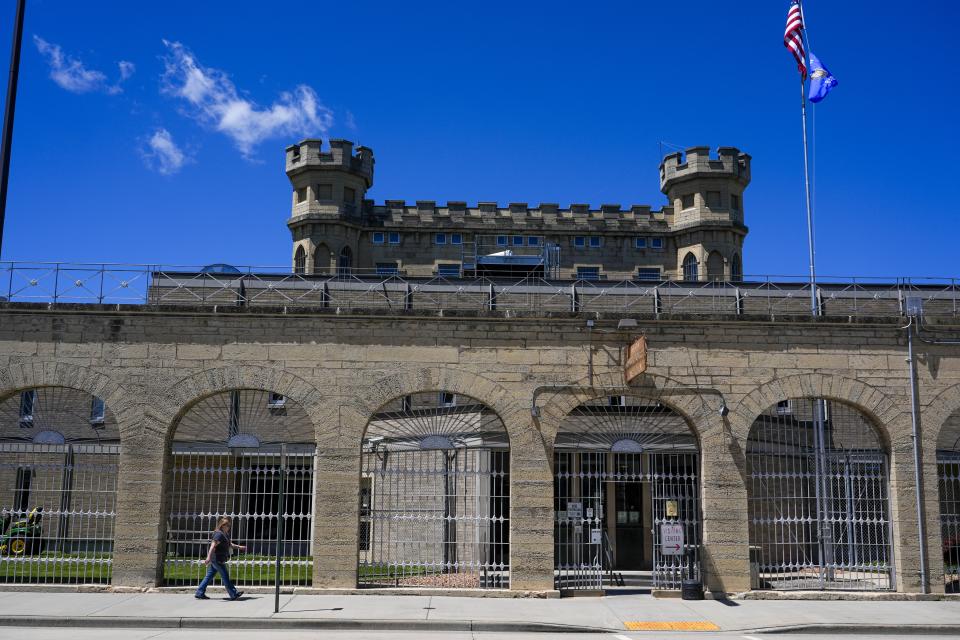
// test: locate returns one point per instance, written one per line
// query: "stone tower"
(328, 187)
(707, 199)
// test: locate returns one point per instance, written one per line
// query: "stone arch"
(935, 419)
(164, 414)
(882, 410)
(356, 415)
(18, 377)
(686, 401)
(300, 260)
(345, 260)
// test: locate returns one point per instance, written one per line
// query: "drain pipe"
(915, 420)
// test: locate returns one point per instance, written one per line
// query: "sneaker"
(237, 597)
(202, 597)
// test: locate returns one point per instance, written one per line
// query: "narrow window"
(501, 241)
(233, 424)
(449, 270)
(407, 404)
(345, 262)
(394, 237)
(640, 243)
(324, 192)
(518, 241)
(301, 195)
(387, 269)
(440, 238)
(579, 241)
(595, 242)
(533, 241)
(588, 273)
(349, 195)
(648, 273)
(735, 202)
(456, 238)
(686, 201)
(28, 404)
(656, 243)
(713, 199)
(690, 271)
(300, 260)
(378, 237)
(97, 411)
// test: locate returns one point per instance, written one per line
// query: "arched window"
(300, 260)
(345, 262)
(690, 271)
(321, 259)
(948, 472)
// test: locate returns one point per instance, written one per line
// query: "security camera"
(724, 410)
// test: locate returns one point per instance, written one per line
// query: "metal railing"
(159, 285)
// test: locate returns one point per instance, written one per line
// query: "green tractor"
(23, 536)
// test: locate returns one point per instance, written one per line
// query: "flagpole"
(814, 307)
(806, 180)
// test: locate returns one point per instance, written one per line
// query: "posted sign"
(671, 539)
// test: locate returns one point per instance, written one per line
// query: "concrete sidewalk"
(612, 613)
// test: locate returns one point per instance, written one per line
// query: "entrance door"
(629, 526)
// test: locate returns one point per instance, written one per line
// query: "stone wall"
(150, 366)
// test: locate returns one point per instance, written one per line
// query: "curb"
(833, 628)
(295, 623)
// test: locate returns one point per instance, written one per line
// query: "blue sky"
(118, 158)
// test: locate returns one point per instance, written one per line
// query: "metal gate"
(435, 495)
(608, 448)
(948, 476)
(266, 445)
(819, 507)
(59, 453)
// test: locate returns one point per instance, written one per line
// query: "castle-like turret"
(707, 192)
(327, 186)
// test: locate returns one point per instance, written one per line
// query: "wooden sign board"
(636, 361)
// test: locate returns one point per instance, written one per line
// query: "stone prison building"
(484, 399)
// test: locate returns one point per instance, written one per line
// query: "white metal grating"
(818, 499)
(435, 495)
(948, 477)
(231, 453)
(59, 452)
(623, 467)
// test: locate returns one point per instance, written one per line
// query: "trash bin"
(691, 589)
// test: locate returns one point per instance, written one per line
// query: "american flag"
(793, 39)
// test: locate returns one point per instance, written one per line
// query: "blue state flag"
(821, 80)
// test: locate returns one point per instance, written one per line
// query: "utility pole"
(8, 114)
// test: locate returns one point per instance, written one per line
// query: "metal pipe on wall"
(915, 428)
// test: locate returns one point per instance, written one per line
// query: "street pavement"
(616, 614)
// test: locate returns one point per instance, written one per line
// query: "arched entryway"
(627, 496)
(818, 498)
(233, 454)
(435, 495)
(59, 455)
(948, 481)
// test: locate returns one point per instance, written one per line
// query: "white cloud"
(215, 101)
(127, 69)
(161, 153)
(70, 73)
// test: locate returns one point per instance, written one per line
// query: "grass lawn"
(245, 570)
(70, 568)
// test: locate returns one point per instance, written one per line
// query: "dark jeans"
(212, 568)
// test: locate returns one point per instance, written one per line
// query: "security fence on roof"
(227, 286)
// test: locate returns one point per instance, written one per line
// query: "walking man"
(217, 556)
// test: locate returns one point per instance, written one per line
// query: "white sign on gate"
(596, 536)
(575, 511)
(671, 539)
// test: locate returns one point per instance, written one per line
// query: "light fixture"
(627, 323)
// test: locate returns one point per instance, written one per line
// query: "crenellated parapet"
(309, 155)
(697, 162)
